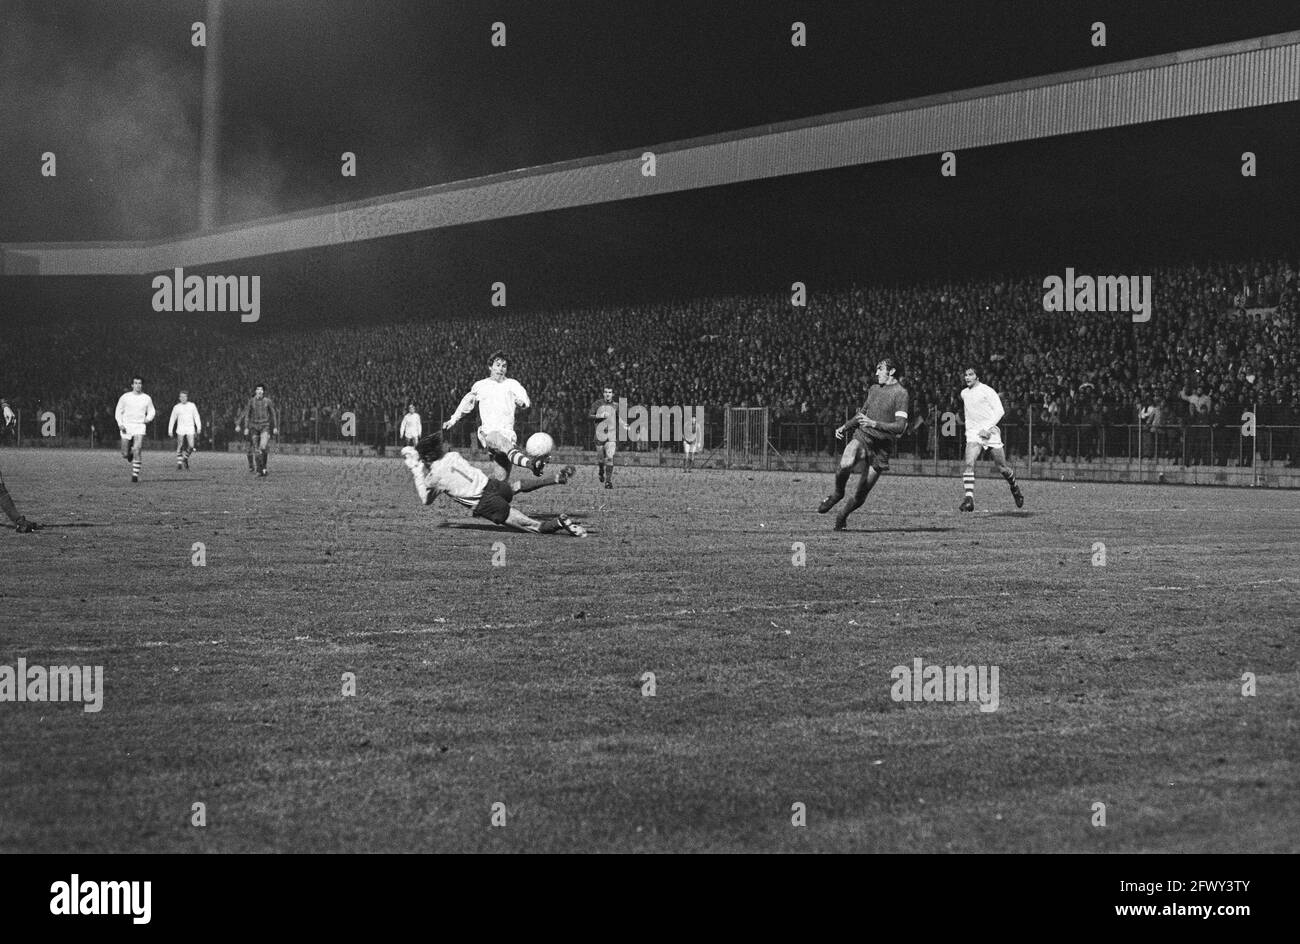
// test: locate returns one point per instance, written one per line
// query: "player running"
(497, 399)
(605, 413)
(261, 421)
(21, 524)
(185, 425)
(875, 428)
(134, 412)
(983, 409)
(447, 473)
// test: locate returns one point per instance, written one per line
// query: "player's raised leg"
(505, 452)
(848, 459)
(1008, 474)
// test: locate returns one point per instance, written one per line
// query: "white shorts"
(133, 430)
(993, 442)
(497, 437)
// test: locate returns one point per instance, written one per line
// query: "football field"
(710, 670)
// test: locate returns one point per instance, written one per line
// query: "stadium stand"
(1224, 337)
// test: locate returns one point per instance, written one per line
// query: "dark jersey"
(600, 410)
(887, 405)
(259, 414)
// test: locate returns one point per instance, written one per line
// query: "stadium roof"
(1244, 74)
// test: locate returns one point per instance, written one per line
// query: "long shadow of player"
(901, 530)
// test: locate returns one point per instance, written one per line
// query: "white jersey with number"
(454, 477)
(497, 402)
(185, 420)
(983, 410)
(134, 410)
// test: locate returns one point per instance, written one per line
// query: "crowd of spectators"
(1222, 336)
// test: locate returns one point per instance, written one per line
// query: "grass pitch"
(522, 684)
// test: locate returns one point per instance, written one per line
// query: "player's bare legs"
(264, 450)
(608, 450)
(866, 483)
(561, 524)
(559, 477)
(1008, 474)
(131, 449)
(848, 459)
(184, 449)
(21, 524)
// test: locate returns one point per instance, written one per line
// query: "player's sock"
(135, 469)
(600, 471)
(550, 527)
(520, 458)
(266, 457)
(968, 483)
(1010, 476)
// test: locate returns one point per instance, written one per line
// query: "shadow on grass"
(900, 530)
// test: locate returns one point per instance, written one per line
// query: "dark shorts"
(877, 450)
(495, 503)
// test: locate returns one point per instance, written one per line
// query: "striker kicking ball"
(539, 445)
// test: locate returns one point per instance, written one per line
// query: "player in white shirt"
(438, 473)
(983, 410)
(411, 428)
(497, 398)
(134, 411)
(10, 420)
(185, 425)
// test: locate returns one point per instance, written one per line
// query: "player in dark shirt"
(605, 412)
(260, 421)
(875, 428)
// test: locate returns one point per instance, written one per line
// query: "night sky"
(418, 92)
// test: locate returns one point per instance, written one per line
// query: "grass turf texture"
(522, 684)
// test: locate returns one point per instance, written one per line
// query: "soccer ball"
(540, 445)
